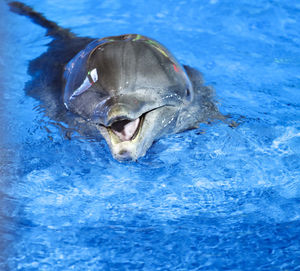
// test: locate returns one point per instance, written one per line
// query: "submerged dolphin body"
(129, 88)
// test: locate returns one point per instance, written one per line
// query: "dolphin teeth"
(125, 129)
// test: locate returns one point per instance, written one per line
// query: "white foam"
(290, 133)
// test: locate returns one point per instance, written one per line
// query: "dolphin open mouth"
(126, 137)
(126, 130)
(129, 138)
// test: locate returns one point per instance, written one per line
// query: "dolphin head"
(131, 88)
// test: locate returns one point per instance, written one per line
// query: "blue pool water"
(215, 198)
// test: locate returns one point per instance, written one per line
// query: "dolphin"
(128, 88)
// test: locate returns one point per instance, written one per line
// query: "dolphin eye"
(188, 93)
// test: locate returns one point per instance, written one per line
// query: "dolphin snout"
(124, 156)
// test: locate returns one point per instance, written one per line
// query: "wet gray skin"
(129, 88)
(133, 90)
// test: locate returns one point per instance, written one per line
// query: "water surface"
(214, 198)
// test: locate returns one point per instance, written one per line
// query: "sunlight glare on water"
(214, 198)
